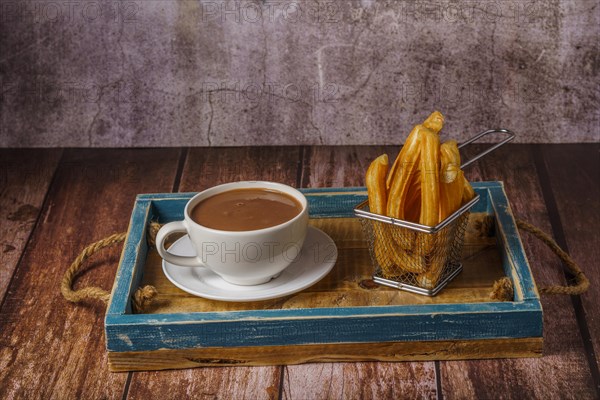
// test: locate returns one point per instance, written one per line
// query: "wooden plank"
(275, 355)
(204, 168)
(574, 177)
(207, 383)
(366, 380)
(563, 371)
(24, 179)
(49, 347)
(343, 167)
(349, 283)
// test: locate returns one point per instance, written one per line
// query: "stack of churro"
(424, 185)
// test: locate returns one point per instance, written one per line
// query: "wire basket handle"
(510, 136)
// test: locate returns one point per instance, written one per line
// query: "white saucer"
(316, 259)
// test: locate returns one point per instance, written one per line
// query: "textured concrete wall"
(172, 73)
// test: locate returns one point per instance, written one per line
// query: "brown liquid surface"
(245, 210)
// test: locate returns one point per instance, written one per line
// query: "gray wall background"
(197, 73)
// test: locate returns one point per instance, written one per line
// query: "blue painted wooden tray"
(344, 317)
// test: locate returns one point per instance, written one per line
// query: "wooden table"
(53, 202)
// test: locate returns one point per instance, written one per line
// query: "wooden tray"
(343, 317)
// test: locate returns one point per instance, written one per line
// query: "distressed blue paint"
(319, 206)
(127, 332)
(166, 196)
(349, 329)
(132, 258)
(339, 204)
(334, 206)
(336, 312)
(333, 190)
(506, 228)
(483, 205)
(169, 210)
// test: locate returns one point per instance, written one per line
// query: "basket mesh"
(415, 258)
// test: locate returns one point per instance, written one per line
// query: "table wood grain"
(24, 179)
(53, 349)
(48, 348)
(563, 369)
(573, 192)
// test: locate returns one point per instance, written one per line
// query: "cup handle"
(163, 234)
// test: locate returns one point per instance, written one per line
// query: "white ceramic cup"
(245, 257)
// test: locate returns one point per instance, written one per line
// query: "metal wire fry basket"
(414, 257)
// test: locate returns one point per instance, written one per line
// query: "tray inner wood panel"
(349, 283)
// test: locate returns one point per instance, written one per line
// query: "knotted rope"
(503, 288)
(142, 297)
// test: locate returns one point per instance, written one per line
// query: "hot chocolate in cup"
(246, 232)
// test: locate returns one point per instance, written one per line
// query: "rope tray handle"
(503, 288)
(144, 296)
